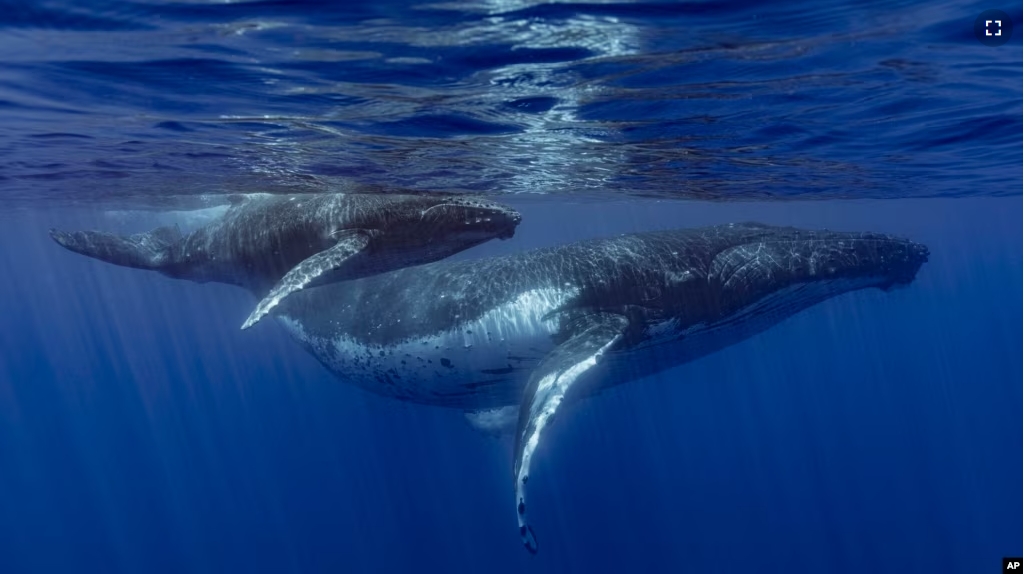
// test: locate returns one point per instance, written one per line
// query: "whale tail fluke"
(141, 251)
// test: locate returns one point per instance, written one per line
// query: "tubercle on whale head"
(788, 256)
(902, 268)
(895, 260)
(466, 215)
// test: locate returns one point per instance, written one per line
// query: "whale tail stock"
(141, 251)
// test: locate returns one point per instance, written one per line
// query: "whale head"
(762, 258)
(409, 230)
(719, 285)
(754, 270)
(750, 276)
(466, 218)
(438, 226)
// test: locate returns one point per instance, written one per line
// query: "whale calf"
(275, 245)
(534, 330)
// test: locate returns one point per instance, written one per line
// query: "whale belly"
(477, 364)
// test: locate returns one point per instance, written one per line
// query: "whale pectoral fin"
(496, 422)
(551, 380)
(308, 271)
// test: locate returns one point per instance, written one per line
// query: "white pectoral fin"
(308, 271)
(548, 385)
(494, 422)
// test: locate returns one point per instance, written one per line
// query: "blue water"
(146, 100)
(141, 431)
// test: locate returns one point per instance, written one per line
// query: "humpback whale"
(536, 330)
(275, 245)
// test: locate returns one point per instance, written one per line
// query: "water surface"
(146, 100)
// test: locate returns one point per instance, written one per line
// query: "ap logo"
(1013, 565)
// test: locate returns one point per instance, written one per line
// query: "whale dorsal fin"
(563, 367)
(349, 243)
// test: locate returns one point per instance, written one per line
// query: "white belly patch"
(483, 363)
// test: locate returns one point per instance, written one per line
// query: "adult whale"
(274, 245)
(540, 328)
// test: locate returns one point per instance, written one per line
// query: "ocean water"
(141, 431)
